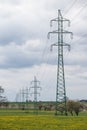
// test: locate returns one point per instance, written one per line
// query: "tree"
(1, 91)
(3, 100)
(74, 106)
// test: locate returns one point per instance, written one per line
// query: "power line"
(43, 57)
(70, 7)
(79, 12)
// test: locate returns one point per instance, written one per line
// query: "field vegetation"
(44, 120)
(22, 116)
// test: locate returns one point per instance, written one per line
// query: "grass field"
(20, 120)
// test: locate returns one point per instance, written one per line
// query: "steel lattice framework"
(60, 89)
(35, 87)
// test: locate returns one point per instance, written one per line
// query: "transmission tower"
(22, 96)
(25, 97)
(60, 89)
(35, 87)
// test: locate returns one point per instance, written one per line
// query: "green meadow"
(23, 120)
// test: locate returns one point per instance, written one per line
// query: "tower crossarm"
(64, 44)
(61, 20)
(37, 93)
(59, 32)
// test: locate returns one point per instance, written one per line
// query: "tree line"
(72, 106)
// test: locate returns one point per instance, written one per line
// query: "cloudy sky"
(25, 49)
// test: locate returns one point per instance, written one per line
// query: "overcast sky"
(25, 49)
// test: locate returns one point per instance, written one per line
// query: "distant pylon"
(60, 89)
(35, 86)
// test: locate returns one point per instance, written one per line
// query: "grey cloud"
(13, 2)
(22, 26)
(21, 56)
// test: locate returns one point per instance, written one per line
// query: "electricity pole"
(22, 97)
(35, 87)
(27, 96)
(60, 88)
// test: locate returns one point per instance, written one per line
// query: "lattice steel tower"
(60, 89)
(35, 87)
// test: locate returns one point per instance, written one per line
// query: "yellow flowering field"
(43, 122)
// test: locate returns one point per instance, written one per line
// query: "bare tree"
(3, 100)
(74, 106)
